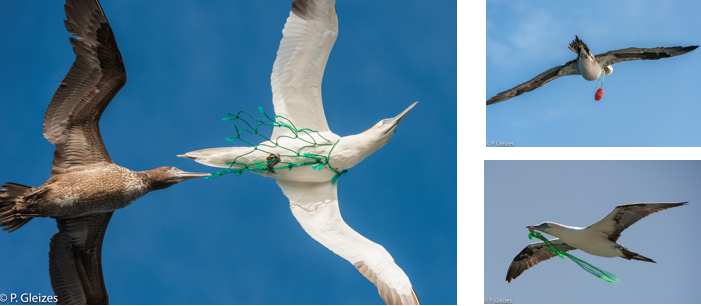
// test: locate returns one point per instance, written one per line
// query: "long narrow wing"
(631, 54)
(315, 205)
(72, 119)
(307, 39)
(567, 69)
(626, 215)
(75, 260)
(533, 254)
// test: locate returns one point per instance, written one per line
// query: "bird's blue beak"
(393, 122)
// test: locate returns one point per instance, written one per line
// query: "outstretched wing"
(72, 119)
(626, 215)
(75, 260)
(315, 206)
(631, 54)
(308, 37)
(533, 254)
(567, 69)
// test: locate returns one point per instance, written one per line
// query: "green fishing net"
(295, 158)
(607, 276)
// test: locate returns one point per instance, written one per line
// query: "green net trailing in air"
(274, 162)
(586, 266)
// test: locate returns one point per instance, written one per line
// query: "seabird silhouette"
(598, 239)
(590, 67)
(85, 187)
(308, 37)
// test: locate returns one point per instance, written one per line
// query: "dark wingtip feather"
(689, 48)
(299, 8)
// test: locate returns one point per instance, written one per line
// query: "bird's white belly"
(594, 245)
(590, 70)
(303, 174)
(292, 167)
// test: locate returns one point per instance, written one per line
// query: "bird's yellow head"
(386, 127)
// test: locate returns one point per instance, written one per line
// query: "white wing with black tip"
(308, 37)
(315, 206)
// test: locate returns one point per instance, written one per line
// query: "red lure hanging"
(599, 93)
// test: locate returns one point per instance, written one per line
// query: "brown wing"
(532, 255)
(567, 69)
(75, 260)
(626, 215)
(631, 54)
(72, 119)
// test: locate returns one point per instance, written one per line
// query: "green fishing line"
(601, 78)
(314, 161)
(607, 276)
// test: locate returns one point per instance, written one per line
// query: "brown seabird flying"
(590, 67)
(85, 187)
(598, 239)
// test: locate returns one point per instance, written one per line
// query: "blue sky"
(580, 193)
(645, 103)
(233, 240)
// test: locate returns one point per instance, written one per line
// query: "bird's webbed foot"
(275, 160)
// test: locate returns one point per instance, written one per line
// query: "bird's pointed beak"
(540, 227)
(184, 175)
(395, 121)
(185, 156)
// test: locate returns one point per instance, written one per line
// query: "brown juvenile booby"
(590, 67)
(598, 239)
(85, 187)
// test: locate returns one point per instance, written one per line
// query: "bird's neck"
(351, 150)
(150, 180)
(558, 230)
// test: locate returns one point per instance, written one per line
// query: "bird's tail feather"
(632, 255)
(9, 218)
(576, 44)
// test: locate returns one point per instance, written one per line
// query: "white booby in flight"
(85, 187)
(308, 37)
(590, 67)
(598, 239)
